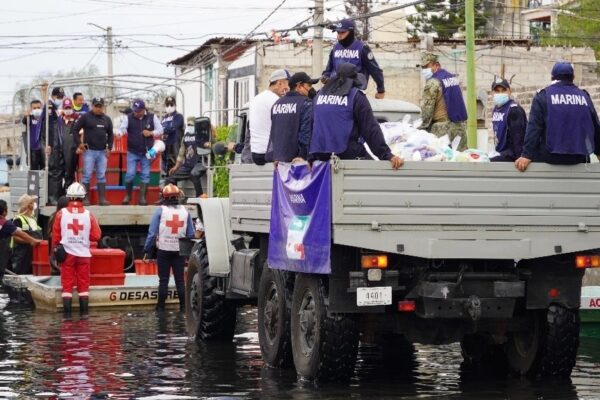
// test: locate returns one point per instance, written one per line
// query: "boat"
(137, 291)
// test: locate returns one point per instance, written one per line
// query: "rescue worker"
(74, 228)
(343, 121)
(65, 143)
(173, 128)
(60, 204)
(79, 105)
(259, 114)
(8, 230)
(21, 256)
(35, 154)
(95, 144)
(563, 125)
(443, 109)
(170, 222)
(196, 140)
(291, 121)
(509, 122)
(142, 127)
(348, 49)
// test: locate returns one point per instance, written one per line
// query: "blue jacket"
(370, 68)
(534, 146)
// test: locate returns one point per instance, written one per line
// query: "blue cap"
(562, 68)
(138, 105)
(344, 25)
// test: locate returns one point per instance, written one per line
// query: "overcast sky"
(41, 36)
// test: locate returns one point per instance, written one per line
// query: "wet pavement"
(139, 354)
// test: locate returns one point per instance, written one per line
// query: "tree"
(577, 24)
(446, 17)
(356, 8)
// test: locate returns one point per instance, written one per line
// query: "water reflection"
(143, 355)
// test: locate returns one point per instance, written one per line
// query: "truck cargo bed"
(445, 210)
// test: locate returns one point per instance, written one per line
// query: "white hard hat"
(76, 191)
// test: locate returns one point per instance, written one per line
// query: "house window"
(241, 92)
(209, 79)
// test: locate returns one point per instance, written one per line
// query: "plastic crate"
(148, 267)
(41, 268)
(154, 179)
(107, 280)
(107, 261)
(120, 144)
(112, 176)
(41, 253)
(116, 194)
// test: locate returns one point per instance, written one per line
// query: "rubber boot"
(102, 194)
(160, 306)
(143, 189)
(86, 200)
(67, 306)
(83, 305)
(128, 194)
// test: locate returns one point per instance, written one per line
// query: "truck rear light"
(406, 306)
(374, 261)
(583, 261)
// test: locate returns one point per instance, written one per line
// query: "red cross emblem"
(174, 224)
(75, 227)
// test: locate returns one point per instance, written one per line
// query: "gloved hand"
(145, 258)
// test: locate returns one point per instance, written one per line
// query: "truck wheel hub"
(307, 323)
(271, 313)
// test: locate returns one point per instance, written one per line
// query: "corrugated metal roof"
(232, 49)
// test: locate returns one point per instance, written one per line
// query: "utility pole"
(110, 52)
(317, 56)
(471, 90)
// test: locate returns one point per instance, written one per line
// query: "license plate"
(374, 296)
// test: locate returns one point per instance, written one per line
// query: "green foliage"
(221, 177)
(445, 17)
(578, 24)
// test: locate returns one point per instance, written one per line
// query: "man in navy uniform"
(344, 121)
(348, 49)
(173, 127)
(509, 122)
(291, 121)
(563, 124)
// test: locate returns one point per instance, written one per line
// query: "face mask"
(426, 73)
(170, 109)
(57, 102)
(312, 93)
(500, 99)
(35, 206)
(37, 112)
(68, 112)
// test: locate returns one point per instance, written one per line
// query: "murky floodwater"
(137, 354)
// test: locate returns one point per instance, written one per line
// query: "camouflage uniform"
(434, 113)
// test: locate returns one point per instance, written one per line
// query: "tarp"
(300, 234)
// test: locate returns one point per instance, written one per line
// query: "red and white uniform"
(75, 227)
(173, 225)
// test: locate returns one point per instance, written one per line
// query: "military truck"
(432, 253)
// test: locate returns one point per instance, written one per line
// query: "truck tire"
(324, 345)
(550, 349)
(274, 304)
(209, 315)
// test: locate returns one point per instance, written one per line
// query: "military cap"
(427, 58)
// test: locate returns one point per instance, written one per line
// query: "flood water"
(139, 354)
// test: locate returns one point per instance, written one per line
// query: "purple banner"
(300, 236)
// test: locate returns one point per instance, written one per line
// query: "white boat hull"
(138, 290)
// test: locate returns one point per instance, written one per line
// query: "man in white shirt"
(260, 114)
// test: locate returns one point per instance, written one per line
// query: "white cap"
(279, 74)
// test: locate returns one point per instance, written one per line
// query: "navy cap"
(138, 105)
(500, 82)
(562, 68)
(301, 77)
(344, 25)
(97, 101)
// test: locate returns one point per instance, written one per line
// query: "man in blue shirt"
(348, 49)
(173, 127)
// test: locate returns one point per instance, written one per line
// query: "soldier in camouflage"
(443, 110)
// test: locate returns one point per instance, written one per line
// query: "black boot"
(67, 306)
(128, 194)
(143, 189)
(162, 299)
(86, 200)
(83, 305)
(102, 194)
